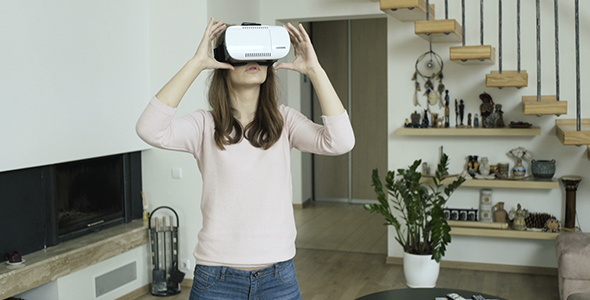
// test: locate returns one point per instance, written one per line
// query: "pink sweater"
(247, 192)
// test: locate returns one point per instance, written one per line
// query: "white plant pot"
(420, 270)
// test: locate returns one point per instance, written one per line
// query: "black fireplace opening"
(46, 205)
(89, 193)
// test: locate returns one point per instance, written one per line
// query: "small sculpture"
(461, 111)
(486, 108)
(518, 218)
(469, 120)
(485, 169)
(407, 124)
(447, 116)
(472, 165)
(456, 114)
(415, 117)
(425, 122)
(476, 121)
(490, 121)
(499, 114)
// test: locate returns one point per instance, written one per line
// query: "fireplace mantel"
(44, 266)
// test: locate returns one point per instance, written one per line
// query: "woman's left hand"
(306, 59)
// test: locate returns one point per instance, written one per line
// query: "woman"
(246, 247)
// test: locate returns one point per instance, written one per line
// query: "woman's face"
(248, 75)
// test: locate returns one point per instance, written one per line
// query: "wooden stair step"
(483, 54)
(547, 106)
(407, 10)
(566, 131)
(507, 79)
(439, 31)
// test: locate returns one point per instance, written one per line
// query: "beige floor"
(341, 251)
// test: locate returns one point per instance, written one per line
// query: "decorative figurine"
(461, 111)
(472, 165)
(433, 117)
(407, 124)
(476, 121)
(499, 113)
(447, 116)
(425, 122)
(518, 217)
(490, 121)
(485, 169)
(469, 120)
(456, 114)
(415, 117)
(486, 108)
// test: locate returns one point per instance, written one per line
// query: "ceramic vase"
(500, 215)
(519, 170)
(421, 271)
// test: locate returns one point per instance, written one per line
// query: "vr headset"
(253, 42)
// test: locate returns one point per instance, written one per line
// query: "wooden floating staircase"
(484, 54)
(567, 133)
(436, 31)
(547, 106)
(439, 31)
(407, 10)
(507, 79)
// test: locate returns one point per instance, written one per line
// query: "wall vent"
(116, 278)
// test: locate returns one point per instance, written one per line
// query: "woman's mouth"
(253, 67)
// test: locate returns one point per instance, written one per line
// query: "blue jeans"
(276, 282)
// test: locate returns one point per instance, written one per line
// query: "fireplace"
(43, 206)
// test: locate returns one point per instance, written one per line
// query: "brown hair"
(267, 126)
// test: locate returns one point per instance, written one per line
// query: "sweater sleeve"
(336, 137)
(157, 127)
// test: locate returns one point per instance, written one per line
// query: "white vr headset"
(253, 42)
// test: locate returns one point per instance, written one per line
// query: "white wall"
(73, 74)
(467, 82)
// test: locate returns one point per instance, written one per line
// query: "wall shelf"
(504, 233)
(406, 10)
(502, 183)
(532, 131)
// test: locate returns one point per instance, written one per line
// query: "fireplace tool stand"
(166, 277)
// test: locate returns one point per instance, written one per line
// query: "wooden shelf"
(507, 79)
(547, 106)
(439, 31)
(407, 10)
(567, 133)
(532, 131)
(501, 183)
(484, 54)
(504, 233)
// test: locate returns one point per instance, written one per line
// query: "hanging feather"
(416, 103)
(428, 84)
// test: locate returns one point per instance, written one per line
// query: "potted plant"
(420, 226)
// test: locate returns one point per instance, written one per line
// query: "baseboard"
(305, 204)
(462, 265)
(144, 290)
(147, 289)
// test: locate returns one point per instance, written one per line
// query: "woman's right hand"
(204, 55)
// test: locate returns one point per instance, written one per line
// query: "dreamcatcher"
(429, 67)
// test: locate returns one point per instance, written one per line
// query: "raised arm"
(174, 90)
(306, 62)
